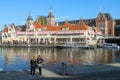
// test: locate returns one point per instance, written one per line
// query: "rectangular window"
(9, 35)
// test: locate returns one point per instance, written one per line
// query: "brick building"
(107, 25)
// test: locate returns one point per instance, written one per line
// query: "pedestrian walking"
(33, 64)
(39, 63)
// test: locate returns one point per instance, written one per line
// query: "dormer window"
(65, 28)
(43, 29)
(9, 29)
(39, 29)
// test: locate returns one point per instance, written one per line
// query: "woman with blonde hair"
(33, 64)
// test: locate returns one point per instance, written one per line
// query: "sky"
(17, 11)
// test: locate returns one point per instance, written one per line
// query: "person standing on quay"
(39, 62)
(33, 64)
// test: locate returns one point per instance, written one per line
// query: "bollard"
(64, 66)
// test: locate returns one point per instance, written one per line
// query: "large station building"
(45, 30)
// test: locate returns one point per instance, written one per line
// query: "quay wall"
(28, 45)
(41, 46)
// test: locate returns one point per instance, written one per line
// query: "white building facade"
(36, 33)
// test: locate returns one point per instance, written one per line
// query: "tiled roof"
(5, 29)
(50, 15)
(66, 25)
(29, 18)
(90, 22)
(81, 27)
(117, 21)
(108, 16)
(53, 28)
(37, 25)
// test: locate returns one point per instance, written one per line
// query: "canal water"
(19, 58)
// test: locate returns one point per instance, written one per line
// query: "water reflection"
(18, 58)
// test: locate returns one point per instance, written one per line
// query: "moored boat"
(109, 45)
(104, 44)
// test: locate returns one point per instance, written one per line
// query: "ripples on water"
(18, 58)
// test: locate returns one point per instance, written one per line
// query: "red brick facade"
(106, 24)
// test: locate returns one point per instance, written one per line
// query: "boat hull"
(109, 45)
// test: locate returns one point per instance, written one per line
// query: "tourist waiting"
(33, 64)
(39, 63)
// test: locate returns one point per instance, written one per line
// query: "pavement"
(87, 72)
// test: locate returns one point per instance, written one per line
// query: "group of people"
(36, 62)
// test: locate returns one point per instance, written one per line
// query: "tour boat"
(104, 44)
(109, 45)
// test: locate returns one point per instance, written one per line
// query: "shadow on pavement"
(88, 72)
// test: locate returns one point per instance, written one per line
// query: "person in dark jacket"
(39, 62)
(33, 64)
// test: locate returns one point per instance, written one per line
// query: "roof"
(108, 16)
(66, 24)
(80, 27)
(117, 21)
(5, 29)
(57, 28)
(50, 15)
(37, 25)
(29, 18)
(89, 22)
